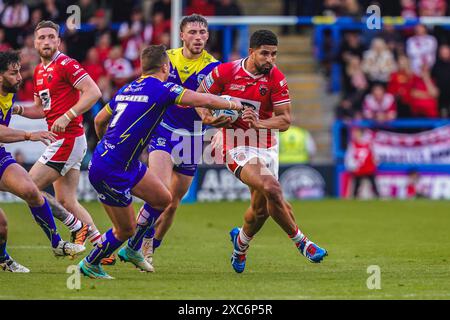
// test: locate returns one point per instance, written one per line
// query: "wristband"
(75, 114)
(27, 135)
(67, 117)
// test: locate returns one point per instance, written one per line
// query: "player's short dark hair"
(263, 37)
(8, 58)
(153, 57)
(193, 18)
(47, 24)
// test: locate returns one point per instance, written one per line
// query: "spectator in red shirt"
(379, 105)
(133, 34)
(360, 160)
(92, 65)
(103, 47)
(160, 27)
(4, 46)
(399, 85)
(432, 8)
(424, 95)
(203, 7)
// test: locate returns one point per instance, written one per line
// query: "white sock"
(297, 237)
(94, 236)
(72, 223)
(243, 240)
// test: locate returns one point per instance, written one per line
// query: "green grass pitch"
(409, 241)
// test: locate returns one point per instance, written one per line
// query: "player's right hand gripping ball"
(232, 114)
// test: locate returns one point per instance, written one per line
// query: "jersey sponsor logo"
(200, 78)
(50, 69)
(172, 74)
(209, 81)
(161, 142)
(46, 100)
(137, 98)
(246, 103)
(185, 69)
(176, 89)
(40, 71)
(77, 72)
(39, 82)
(240, 156)
(101, 196)
(237, 87)
(65, 61)
(263, 89)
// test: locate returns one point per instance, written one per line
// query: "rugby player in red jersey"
(250, 146)
(63, 91)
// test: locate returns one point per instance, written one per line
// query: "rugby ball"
(232, 114)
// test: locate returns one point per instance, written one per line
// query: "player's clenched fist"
(60, 124)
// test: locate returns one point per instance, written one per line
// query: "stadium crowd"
(113, 32)
(397, 72)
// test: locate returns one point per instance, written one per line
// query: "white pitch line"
(29, 247)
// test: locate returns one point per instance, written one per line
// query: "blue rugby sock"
(104, 249)
(156, 244)
(3, 254)
(146, 220)
(150, 233)
(44, 218)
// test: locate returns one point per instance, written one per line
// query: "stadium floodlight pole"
(176, 12)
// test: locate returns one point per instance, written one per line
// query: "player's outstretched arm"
(8, 135)
(208, 118)
(281, 119)
(33, 112)
(101, 121)
(210, 101)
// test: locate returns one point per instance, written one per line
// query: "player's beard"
(8, 87)
(47, 54)
(263, 69)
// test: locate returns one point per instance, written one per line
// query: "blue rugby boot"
(312, 251)
(238, 257)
